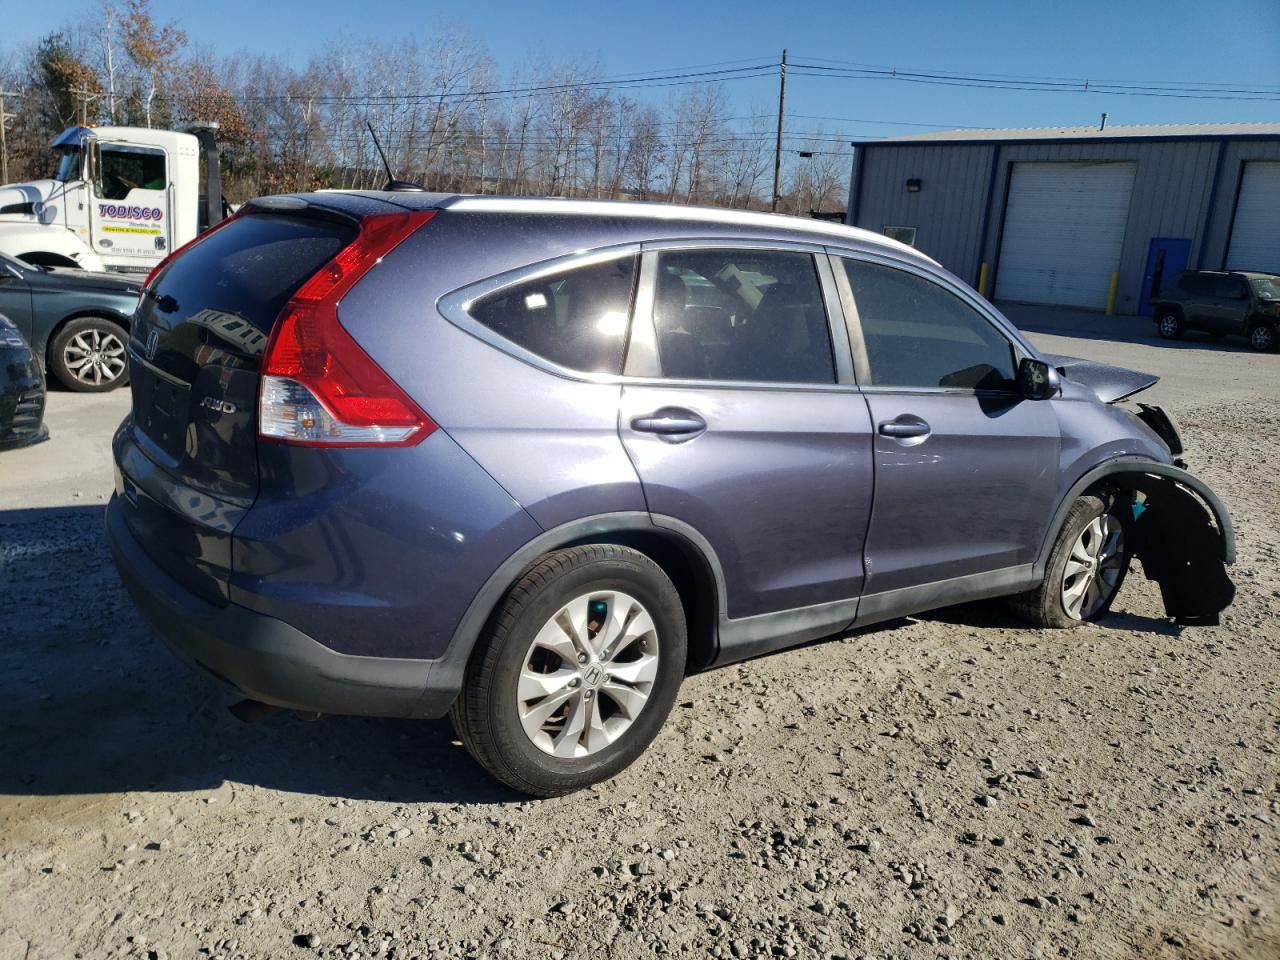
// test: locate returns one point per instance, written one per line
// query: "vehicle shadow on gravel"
(993, 614)
(91, 702)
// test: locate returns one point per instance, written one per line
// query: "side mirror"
(1037, 380)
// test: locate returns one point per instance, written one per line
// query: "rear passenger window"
(1197, 284)
(1230, 288)
(576, 319)
(746, 315)
(919, 334)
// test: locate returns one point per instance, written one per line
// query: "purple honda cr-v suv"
(527, 462)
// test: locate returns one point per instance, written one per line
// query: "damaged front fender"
(1181, 532)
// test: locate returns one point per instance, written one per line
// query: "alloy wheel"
(1262, 337)
(1094, 567)
(1169, 325)
(588, 674)
(95, 357)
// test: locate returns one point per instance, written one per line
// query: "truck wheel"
(88, 355)
(1086, 567)
(1169, 325)
(1262, 337)
(576, 671)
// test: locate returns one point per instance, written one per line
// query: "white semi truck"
(121, 199)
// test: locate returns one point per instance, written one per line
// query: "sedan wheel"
(89, 355)
(1094, 568)
(94, 357)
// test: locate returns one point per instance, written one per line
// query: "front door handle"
(670, 423)
(904, 427)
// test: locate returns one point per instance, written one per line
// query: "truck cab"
(120, 198)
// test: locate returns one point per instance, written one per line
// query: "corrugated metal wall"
(946, 212)
(1173, 196)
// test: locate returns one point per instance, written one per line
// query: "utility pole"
(777, 149)
(85, 96)
(4, 124)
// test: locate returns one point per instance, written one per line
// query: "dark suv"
(1220, 303)
(527, 462)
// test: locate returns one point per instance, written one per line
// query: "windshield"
(68, 164)
(1268, 288)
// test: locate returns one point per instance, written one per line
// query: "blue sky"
(1227, 41)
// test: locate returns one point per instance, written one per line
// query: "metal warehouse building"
(1077, 216)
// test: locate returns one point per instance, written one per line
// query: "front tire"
(88, 355)
(1169, 325)
(575, 672)
(1086, 568)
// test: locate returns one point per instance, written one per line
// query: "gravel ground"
(953, 785)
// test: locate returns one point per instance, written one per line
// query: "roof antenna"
(393, 185)
(1103, 124)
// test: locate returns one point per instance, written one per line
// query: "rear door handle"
(904, 427)
(670, 423)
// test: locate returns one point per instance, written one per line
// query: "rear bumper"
(268, 660)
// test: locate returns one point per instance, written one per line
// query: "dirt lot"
(954, 785)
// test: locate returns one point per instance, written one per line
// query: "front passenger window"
(919, 334)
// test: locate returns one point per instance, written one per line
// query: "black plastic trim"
(1140, 465)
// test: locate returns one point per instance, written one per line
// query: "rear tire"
(1169, 325)
(88, 355)
(1262, 337)
(575, 671)
(1086, 568)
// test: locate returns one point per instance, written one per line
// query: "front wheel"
(576, 671)
(1262, 337)
(1169, 325)
(88, 355)
(1086, 567)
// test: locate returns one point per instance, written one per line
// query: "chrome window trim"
(1020, 347)
(456, 307)
(640, 366)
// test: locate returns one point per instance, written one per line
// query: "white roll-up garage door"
(1063, 232)
(1255, 232)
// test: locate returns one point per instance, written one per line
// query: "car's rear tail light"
(319, 388)
(146, 284)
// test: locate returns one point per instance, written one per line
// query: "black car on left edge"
(21, 391)
(76, 322)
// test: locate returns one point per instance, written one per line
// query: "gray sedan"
(76, 322)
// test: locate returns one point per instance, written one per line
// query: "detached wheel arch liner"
(1195, 587)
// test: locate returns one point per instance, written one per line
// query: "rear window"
(239, 278)
(577, 319)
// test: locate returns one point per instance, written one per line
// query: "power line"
(1036, 85)
(704, 76)
(1022, 76)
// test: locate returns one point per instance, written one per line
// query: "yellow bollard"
(1111, 294)
(982, 280)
